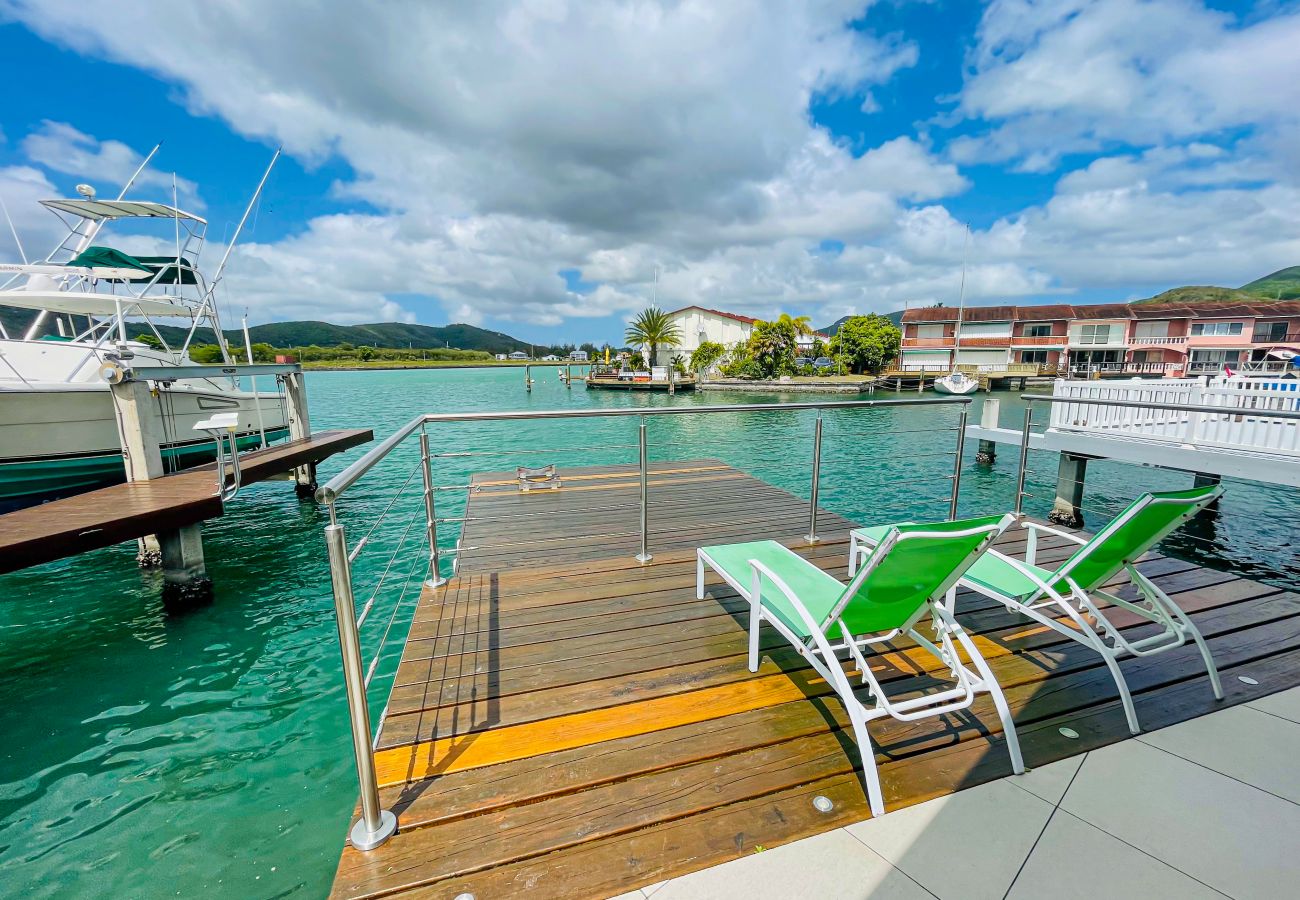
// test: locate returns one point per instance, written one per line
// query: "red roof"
(748, 320)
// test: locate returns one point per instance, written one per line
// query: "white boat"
(58, 432)
(956, 383)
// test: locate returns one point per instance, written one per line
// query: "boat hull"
(947, 385)
(60, 441)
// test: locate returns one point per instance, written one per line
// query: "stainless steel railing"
(377, 824)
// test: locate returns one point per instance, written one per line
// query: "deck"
(123, 512)
(566, 722)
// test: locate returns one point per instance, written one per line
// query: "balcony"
(1046, 340)
(943, 343)
(1168, 340)
(1291, 337)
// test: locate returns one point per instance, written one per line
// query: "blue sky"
(529, 167)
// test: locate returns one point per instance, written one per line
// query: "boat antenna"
(99, 223)
(216, 279)
(961, 300)
(13, 231)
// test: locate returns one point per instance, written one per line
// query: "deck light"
(1069, 733)
(823, 804)
(1246, 679)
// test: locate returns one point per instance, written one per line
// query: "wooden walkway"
(123, 512)
(568, 723)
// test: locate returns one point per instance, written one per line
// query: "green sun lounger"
(906, 577)
(1070, 599)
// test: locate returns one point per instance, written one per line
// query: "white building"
(501, 357)
(550, 357)
(697, 324)
(518, 355)
(578, 356)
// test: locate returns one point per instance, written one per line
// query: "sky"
(548, 168)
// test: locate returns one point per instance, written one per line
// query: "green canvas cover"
(913, 572)
(109, 257)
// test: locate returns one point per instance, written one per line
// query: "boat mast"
(210, 301)
(961, 302)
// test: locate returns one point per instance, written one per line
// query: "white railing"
(1245, 424)
(1156, 341)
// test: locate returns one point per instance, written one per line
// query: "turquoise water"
(149, 753)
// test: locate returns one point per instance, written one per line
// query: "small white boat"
(956, 383)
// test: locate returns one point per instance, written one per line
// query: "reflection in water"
(207, 753)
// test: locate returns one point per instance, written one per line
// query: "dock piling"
(295, 391)
(989, 415)
(962, 419)
(1068, 506)
(140, 432)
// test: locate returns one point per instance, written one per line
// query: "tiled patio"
(1205, 808)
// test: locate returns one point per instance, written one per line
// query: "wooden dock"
(568, 723)
(123, 512)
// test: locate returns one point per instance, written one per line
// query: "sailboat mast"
(961, 301)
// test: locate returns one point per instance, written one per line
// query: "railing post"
(644, 556)
(811, 536)
(376, 825)
(435, 578)
(956, 466)
(1024, 460)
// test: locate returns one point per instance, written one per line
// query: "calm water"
(147, 753)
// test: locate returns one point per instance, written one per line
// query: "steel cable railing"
(377, 824)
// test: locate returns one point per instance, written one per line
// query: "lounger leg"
(853, 554)
(755, 622)
(1124, 696)
(999, 701)
(699, 577)
(870, 774)
(1210, 667)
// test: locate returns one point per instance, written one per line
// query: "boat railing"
(377, 824)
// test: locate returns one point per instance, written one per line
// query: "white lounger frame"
(1090, 625)
(821, 654)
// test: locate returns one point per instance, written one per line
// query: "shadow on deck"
(567, 722)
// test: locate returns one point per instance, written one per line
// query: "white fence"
(1245, 424)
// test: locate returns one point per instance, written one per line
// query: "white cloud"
(500, 144)
(60, 147)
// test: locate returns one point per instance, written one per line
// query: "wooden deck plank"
(571, 705)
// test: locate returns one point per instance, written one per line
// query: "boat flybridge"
(58, 430)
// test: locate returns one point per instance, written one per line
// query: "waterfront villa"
(578, 356)
(1111, 338)
(698, 324)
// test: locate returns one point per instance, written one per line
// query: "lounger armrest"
(1031, 544)
(814, 627)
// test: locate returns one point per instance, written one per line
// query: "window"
(1094, 334)
(1037, 331)
(1270, 331)
(1151, 330)
(1033, 356)
(929, 331)
(1215, 329)
(1139, 357)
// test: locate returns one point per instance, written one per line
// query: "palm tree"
(800, 324)
(653, 327)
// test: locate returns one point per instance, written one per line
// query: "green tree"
(263, 352)
(801, 324)
(866, 343)
(772, 346)
(149, 340)
(651, 328)
(205, 354)
(706, 356)
(366, 354)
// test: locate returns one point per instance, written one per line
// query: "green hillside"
(1195, 294)
(1284, 284)
(896, 317)
(393, 335)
